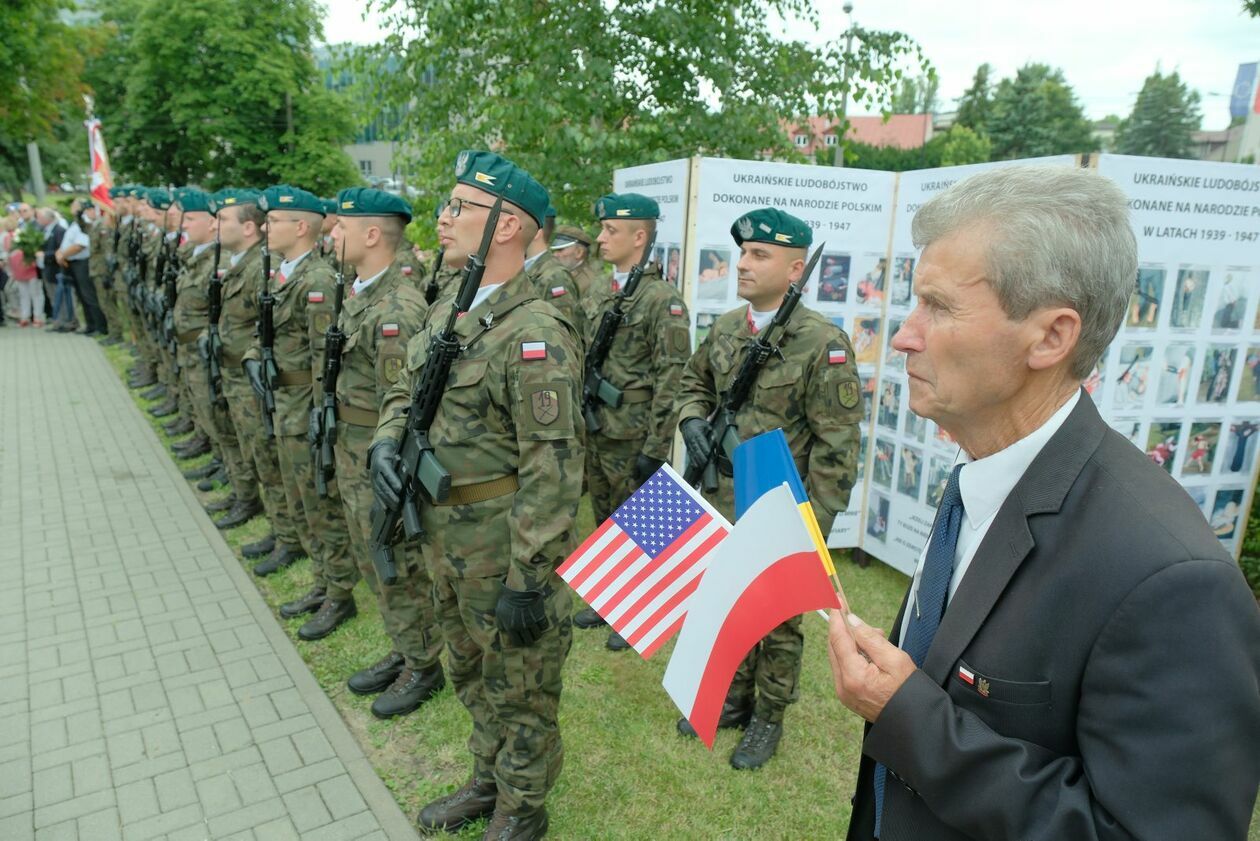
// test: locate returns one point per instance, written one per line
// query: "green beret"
(192, 200)
(284, 197)
(551, 212)
(364, 201)
(567, 235)
(330, 206)
(159, 199)
(137, 192)
(626, 206)
(115, 192)
(231, 197)
(772, 226)
(500, 177)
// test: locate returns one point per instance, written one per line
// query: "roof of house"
(903, 131)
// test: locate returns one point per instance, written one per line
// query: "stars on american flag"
(657, 513)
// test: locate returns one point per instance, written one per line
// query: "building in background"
(816, 138)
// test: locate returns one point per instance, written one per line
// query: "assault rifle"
(170, 283)
(214, 346)
(131, 272)
(415, 463)
(724, 437)
(111, 262)
(597, 390)
(325, 414)
(267, 341)
(431, 291)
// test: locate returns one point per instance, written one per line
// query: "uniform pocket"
(992, 688)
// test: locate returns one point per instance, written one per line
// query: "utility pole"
(37, 172)
(838, 160)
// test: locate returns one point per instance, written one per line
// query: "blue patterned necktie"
(929, 600)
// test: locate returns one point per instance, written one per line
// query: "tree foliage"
(976, 102)
(960, 145)
(915, 95)
(202, 92)
(1035, 114)
(572, 91)
(1164, 117)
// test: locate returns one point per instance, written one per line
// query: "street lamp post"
(838, 158)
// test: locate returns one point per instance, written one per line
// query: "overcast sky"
(1105, 47)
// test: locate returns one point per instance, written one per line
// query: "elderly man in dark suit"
(1077, 657)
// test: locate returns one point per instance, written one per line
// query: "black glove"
(253, 370)
(203, 347)
(645, 466)
(695, 433)
(385, 480)
(313, 425)
(521, 616)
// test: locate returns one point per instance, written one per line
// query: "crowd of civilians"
(54, 288)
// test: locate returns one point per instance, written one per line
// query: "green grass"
(627, 774)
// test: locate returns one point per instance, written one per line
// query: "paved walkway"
(146, 691)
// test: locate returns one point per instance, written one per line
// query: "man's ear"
(1058, 330)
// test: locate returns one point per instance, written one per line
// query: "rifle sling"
(357, 417)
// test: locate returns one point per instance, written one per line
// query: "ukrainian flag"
(764, 463)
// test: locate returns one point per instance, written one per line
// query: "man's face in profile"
(964, 357)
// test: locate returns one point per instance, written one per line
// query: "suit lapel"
(1008, 541)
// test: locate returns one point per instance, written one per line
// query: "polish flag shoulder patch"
(837, 356)
(557, 291)
(675, 309)
(406, 270)
(533, 350)
(388, 330)
(315, 297)
(966, 675)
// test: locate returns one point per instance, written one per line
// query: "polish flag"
(639, 569)
(770, 572)
(966, 675)
(533, 350)
(102, 179)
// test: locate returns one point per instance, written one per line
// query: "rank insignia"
(484, 178)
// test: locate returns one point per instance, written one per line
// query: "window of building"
(802, 140)
(831, 140)
(365, 167)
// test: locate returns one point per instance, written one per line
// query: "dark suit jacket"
(1116, 653)
(52, 242)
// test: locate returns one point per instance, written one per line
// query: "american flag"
(639, 568)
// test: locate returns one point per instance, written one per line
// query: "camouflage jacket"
(192, 302)
(150, 245)
(238, 322)
(584, 275)
(648, 354)
(511, 406)
(377, 322)
(301, 313)
(101, 242)
(553, 284)
(124, 246)
(410, 266)
(813, 393)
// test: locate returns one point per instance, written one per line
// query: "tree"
(1036, 114)
(221, 92)
(961, 145)
(915, 95)
(976, 102)
(572, 91)
(1252, 7)
(1164, 117)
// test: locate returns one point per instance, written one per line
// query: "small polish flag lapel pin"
(966, 676)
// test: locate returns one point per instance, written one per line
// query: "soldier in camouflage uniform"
(509, 433)
(572, 247)
(551, 282)
(100, 240)
(147, 236)
(381, 312)
(646, 361)
(813, 393)
(303, 311)
(162, 248)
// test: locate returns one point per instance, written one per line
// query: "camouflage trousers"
(610, 472)
(511, 692)
(406, 607)
(114, 302)
(214, 420)
(261, 451)
(770, 676)
(188, 359)
(325, 536)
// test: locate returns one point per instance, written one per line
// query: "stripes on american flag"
(639, 568)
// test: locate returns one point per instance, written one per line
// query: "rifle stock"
(266, 341)
(323, 447)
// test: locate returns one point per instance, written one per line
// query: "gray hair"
(1060, 237)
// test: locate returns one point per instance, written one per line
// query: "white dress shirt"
(985, 485)
(287, 266)
(360, 284)
(75, 235)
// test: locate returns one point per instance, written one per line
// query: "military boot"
(616, 642)
(214, 480)
(735, 715)
(180, 426)
(587, 618)
(218, 505)
(197, 447)
(154, 393)
(303, 604)
(165, 409)
(332, 613)
(144, 379)
(520, 827)
(408, 691)
(473, 801)
(260, 548)
(240, 513)
(378, 676)
(760, 741)
(283, 555)
(205, 471)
